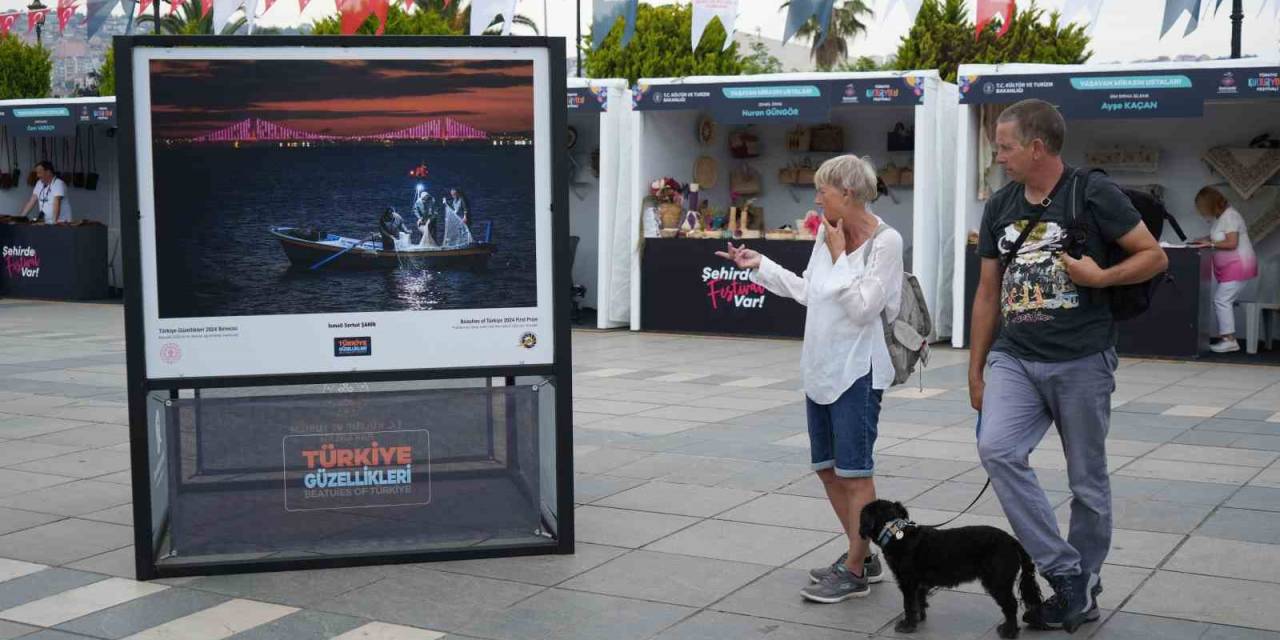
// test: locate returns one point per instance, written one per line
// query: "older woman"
(854, 274)
(1234, 262)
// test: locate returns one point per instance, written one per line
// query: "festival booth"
(750, 146)
(600, 186)
(1166, 129)
(315, 378)
(78, 261)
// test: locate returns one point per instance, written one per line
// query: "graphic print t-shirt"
(1045, 316)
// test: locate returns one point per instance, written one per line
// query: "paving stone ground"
(697, 514)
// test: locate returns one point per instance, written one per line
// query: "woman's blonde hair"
(1213, 200)
(849, 173)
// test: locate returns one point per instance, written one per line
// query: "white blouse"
(843, 332)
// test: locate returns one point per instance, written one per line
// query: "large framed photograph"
(320, 209)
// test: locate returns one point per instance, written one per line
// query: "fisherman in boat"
(391, 226)
(427, 209)
(458, 205)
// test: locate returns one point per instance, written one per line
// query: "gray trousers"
(1021, 399)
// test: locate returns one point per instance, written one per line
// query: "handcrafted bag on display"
(787, 174)
(706, 130)
(77, 163)
(744, 180)
(798, 139)
(902, 138)
(669, 213)
(91, 171)
(706, 172)
(806, 172)
(16, 174)
(827, 138)
(31, 177)
(6, 178)
(744, 144)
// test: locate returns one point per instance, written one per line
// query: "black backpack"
(1130, 300)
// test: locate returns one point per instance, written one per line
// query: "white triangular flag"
(912, 6)
(484, 11)
(1173, 9)
(1073, 8)
(222, 12)
(705, 10)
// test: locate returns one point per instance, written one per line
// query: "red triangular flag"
(7, 21)
(66, 9)
(143, 5)
(354, 12)
(446, 3)
(268, 6)
(206, 7)
(990, 9)
(302, 5)
(35, 17)
(174, 4)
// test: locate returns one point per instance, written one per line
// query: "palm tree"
(846, 24)
(191, 20)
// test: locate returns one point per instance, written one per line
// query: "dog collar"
(893, 530)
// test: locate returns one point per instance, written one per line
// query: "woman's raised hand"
(741, 256)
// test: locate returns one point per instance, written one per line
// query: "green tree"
(191, 20)
(429, 18)
(760, 61)
(419, 22)
(660, 48)
(864, 63)
(106, 74)
(25, 69)
(943, 38)
(846, 23)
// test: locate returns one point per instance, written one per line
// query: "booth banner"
(57, 262)
(56, 119)
(805, 101)
(1147, 94)
(588, 99)
(406, 226)
(686, 287)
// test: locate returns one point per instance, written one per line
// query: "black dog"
(924, 558)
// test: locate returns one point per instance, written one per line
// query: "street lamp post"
(1237, 17)
(35, 6)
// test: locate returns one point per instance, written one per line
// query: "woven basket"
(670, 213)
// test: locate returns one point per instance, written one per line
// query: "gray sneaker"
(838, 585)
(872, 568)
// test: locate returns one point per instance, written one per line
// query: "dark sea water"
(215, 204)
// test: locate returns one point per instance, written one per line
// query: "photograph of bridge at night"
(259, 163)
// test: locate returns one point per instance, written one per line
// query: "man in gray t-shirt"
(1055, 361)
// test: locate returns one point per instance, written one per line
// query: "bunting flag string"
(706, 10)
(989, 10)
(354, 12)
(36, 17)
(1173, 9)
(912, 6)
(7, 21)
(606, 13)
(799, 12)
(66, 9)
(1073, 8)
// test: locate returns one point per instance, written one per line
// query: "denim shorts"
(842, 434)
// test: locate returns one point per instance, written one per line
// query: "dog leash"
(977, 429)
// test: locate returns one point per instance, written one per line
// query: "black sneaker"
(1054, 602)
(872, 568)
(1075, 602)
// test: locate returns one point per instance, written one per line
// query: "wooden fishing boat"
(308, 247)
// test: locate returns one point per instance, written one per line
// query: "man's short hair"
(1037, 119)
(46, 165)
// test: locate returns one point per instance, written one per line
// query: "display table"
(685, 287)
(1175, 326)
(56, 262)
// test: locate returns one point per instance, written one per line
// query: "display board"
(324, 209)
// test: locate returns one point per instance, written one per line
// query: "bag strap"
(1022, 238)
(866, 261)
(91, 160)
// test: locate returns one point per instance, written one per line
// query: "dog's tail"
(1027, 585)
